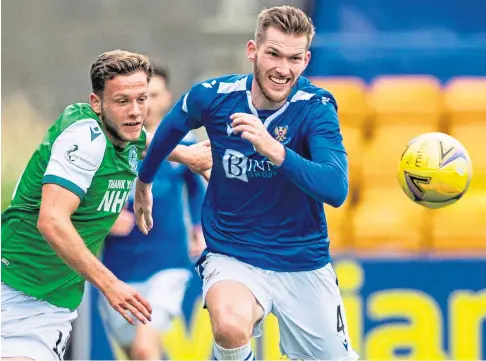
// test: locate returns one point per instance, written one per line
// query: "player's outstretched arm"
(196, 156)
(195, 194)
(186, 114)
(54, 223)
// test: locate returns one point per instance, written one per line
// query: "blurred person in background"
(65, 203)
(278, 156)
(157, 265)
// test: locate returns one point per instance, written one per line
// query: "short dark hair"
(117, 62)
(163, 72)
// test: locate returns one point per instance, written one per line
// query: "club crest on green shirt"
(133, 158)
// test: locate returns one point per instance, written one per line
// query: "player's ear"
(251, 49)
(307, 58)
(95, 102)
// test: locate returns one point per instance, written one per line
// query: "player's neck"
(117, 142)
(260, 101)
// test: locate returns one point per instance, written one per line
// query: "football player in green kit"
(65, 203)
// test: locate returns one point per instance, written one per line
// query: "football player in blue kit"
(277, 157)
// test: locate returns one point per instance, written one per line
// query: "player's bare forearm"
(54, 223)
(179, 155)
(197, 157)
(68, 244)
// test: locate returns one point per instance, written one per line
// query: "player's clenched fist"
(125, 300)
(253, 130)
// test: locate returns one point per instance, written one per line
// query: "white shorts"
(33, 328)
(164, 291)
(308, 306)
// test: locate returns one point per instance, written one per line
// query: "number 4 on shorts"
(340, 326)
(340, 322)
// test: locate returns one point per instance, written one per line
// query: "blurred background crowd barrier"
(413, 279)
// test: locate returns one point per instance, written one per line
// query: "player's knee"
(146, 345)
(232, 328)
(145, 351)
(231, 306)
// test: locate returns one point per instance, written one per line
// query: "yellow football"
(435, 170)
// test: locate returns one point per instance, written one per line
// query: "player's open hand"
(142, 206)
(199, 157)
(126, 300)
(253, 130)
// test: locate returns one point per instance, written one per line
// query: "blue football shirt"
(268, 216)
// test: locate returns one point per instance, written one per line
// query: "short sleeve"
(76, 155)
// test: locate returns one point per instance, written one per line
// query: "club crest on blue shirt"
(281, 133)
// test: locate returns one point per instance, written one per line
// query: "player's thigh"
(165, 293)
(233, 290)
(117, 328)
(311, 316)
(32, 328)
(146, 345)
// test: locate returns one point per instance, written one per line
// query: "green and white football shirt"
(77, 155)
